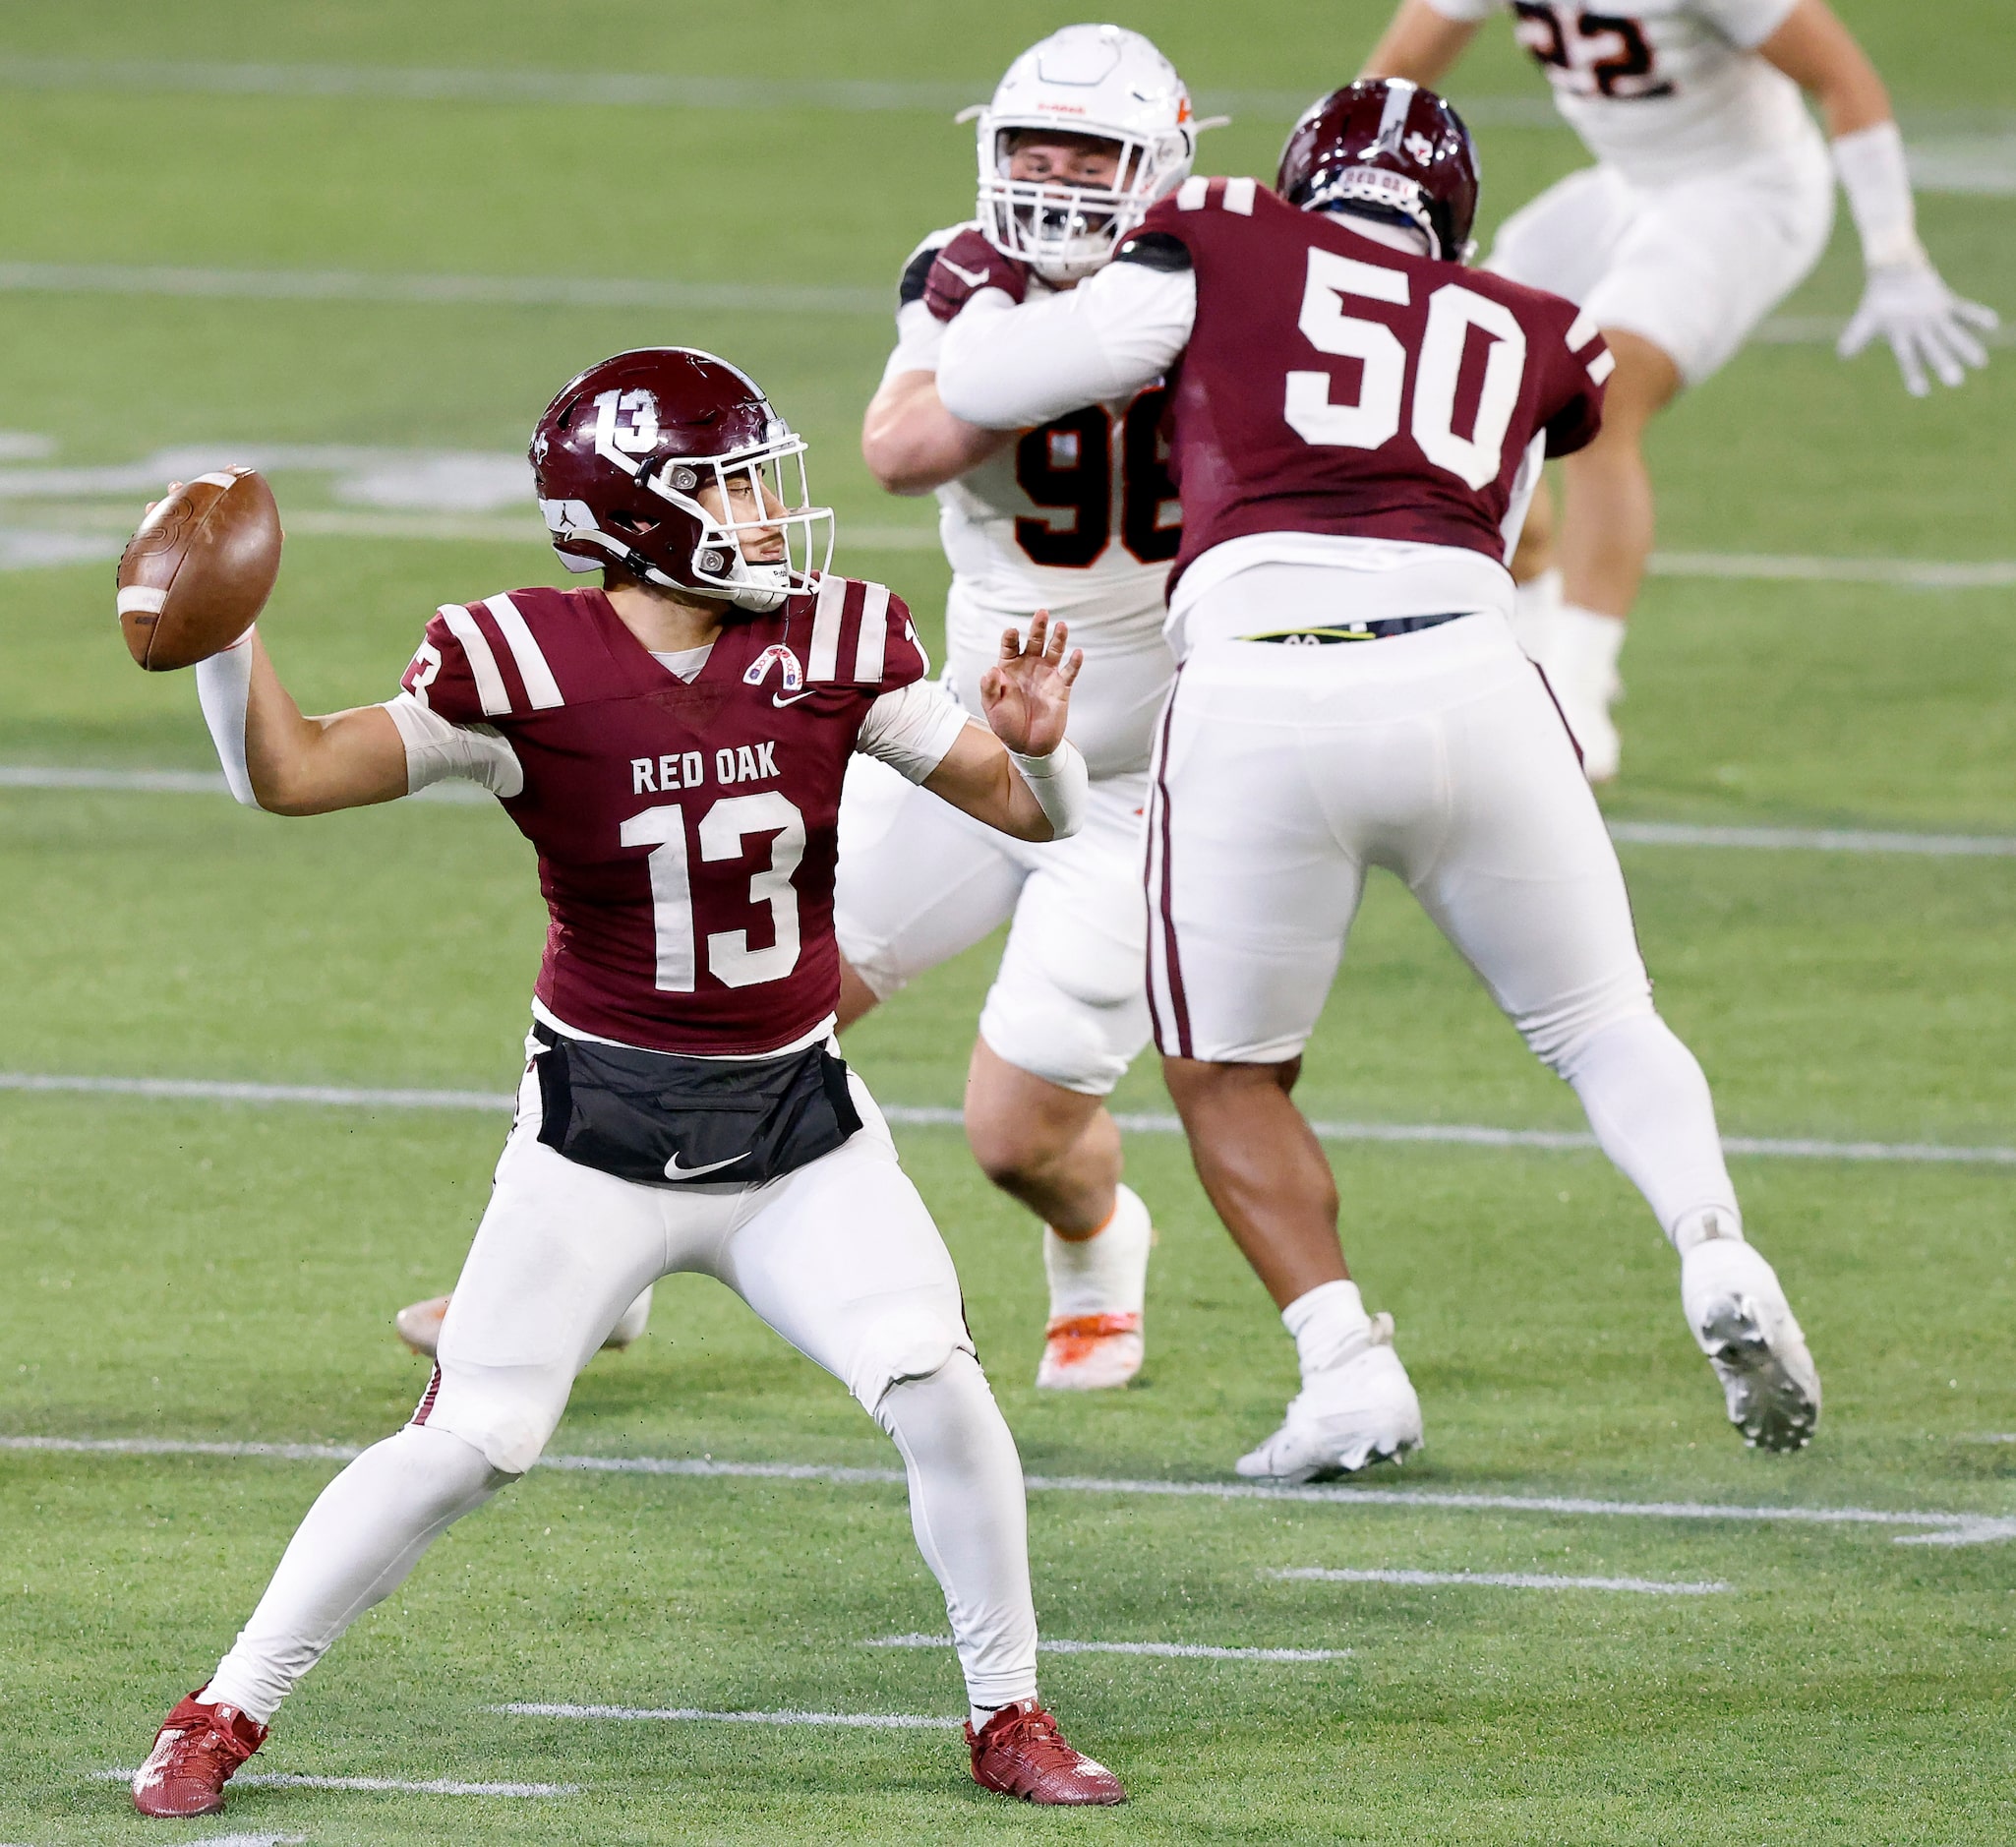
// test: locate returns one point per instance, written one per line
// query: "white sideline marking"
(438, 1786)
(878, 1721)
(1505, 1581)
(430, 290)
(26, 550)
(1182, 1650)
(1853, 840)
(1944, 1528)
(939, 1115)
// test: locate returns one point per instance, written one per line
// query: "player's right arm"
(911, 442)
(277, 759)
(1422, 44)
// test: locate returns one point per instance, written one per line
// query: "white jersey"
(1079, 517)
(1670, 89)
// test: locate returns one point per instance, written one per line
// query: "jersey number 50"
(1375, 419)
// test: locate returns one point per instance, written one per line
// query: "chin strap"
(223, 686)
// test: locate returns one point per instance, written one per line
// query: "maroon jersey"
(686, 832)
(1333, 385)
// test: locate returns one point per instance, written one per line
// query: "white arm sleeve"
(436, 750)
(1877, 182)
(920, 337)
(912, 728)
(1007, 368)
(1060, 783)
(223, 686)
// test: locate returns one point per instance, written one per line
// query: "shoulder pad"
(861, 634)
(1155, 250)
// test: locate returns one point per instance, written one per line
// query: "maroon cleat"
(1022, 1753)
(194, 1753)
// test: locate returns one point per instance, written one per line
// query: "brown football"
(199, 570)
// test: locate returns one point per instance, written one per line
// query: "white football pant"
(1285, 771)
(918, 882)
(1693, 267)
(841, 1258)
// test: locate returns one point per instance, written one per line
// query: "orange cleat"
(1090, 1352)
(1022, 1753)
(195, 1754)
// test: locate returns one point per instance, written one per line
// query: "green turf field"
(193, 1271)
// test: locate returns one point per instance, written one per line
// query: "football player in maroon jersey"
(1357, 421)
(673, 745)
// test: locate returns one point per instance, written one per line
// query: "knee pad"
(509, 1413)
(912, 1342)
(1558, 1032)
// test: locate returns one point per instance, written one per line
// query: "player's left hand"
(1026, 692)
(1926, 324)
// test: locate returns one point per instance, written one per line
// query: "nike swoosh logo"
(674, 1171)
(792, 698)
(973, 279)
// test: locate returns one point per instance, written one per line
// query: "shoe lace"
(1033, 1732)
(211, 1749)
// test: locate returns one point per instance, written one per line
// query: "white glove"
(1926, 324)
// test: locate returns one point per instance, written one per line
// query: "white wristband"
(1060, 783)
(223, 686)
(1877, 182)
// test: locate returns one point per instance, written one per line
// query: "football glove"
(1926, 324)
(965, 266)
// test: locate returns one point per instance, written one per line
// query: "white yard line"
(396, 289)
(430, 290)
(624, 89)
(1912, 573)
(1850, 840)
(1177, 1650)
(1933, 1527)
(871, 1721)
(1506, 1581)
(939, 1115)
(437, 1786)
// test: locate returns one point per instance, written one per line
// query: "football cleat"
(1097, 1285)
(195, 1754)
(1090, 1353)
(1021, 1753)
(1743, 1323)
(1347, 1417)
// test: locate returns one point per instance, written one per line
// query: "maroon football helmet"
(623, 453)
(1391, 149)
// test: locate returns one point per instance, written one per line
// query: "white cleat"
(1742, 1322)
(1347, 1417)
(1094, 1339)
(417, 1324)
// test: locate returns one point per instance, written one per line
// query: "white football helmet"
(1088, 80)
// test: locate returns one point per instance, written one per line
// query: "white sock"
(366, 1530)
(972, 1524)
(979, 1715)
(1650, 1104)
(1704, 1223)
(1325, 1321)
(1536, 615)
(1586, 644)
(1105, 1273)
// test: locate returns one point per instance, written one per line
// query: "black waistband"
(1326, 633)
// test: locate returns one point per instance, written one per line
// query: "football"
(199, 570)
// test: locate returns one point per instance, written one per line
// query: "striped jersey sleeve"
(1581, 370)
(861, 636)
(479, 663)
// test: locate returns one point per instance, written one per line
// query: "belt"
(1326, 633)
